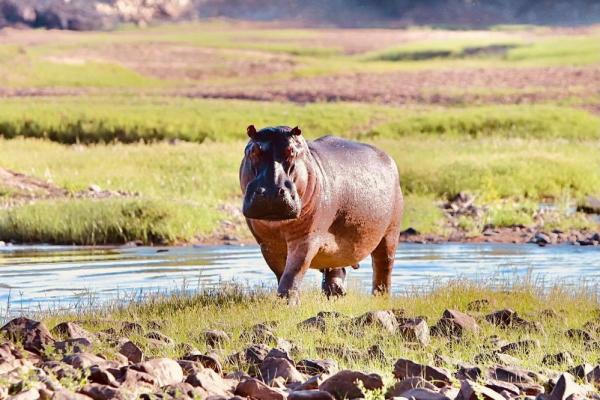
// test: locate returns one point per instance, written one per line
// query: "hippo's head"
(276, 173)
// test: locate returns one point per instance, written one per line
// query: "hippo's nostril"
(281, 191)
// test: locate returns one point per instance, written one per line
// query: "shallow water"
(41, 277)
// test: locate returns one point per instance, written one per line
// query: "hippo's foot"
(292, 296)
(334, 282)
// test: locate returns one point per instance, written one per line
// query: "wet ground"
(42, 277)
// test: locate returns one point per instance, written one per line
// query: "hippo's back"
(347, 161)
(362, 189)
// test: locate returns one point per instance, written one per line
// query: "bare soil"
(477, 85)
(180, 62)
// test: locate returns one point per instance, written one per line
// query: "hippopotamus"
(325, 204)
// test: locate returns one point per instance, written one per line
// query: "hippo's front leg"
(299, 257)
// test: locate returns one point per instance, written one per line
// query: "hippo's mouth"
(270, 210)
(253, 213)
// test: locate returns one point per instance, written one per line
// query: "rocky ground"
(62, 363)
(22, 189)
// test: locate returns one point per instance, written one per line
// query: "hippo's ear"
(296, 131)
(251, 131)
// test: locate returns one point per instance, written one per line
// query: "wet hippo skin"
(324, 204)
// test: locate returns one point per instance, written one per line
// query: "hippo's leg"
(275, 260)
(299, 257)
(383, 262)
(334, 282)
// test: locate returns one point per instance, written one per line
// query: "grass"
(38, 62)
(234, 311)
(127, 120)
(180, 187)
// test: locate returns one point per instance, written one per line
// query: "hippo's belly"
(347, 243)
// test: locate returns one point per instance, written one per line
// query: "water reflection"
(38, 276)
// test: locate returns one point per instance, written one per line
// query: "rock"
(32, 335)
(423, 394)
(190, 367)
(310, 395)
(565, 388)
(496, 357)
(279, 353)
(530, 389)
(382, 319)
(313, 323)
(343, 384)
(132, 351)
(473, 391)
(272, 368)
(455, 324)
(261, 333)
(86, 360)
(511, 374)
(256, 389)
(500, 386)
(206, 361)
(216, 338)
(128, 328)
(404, 368)
(407, 384)
(593, 376)
(131, 378)
(103, 392)
(414, 330)
(590, 205)
(71, 330)
(523, 346)
(64, 394)
(564, 357)
(316, 367)
(212, 383)
(155, 335)
(31, 394)
(77, 345)
(254, 354)
(581, 371)
(478, 305)
(179, 390)
(165, 370)
(579, 334)
(330, 314)
(376, 352)
(345, 352)
(102, 376)
(312, 383)
(542, 239)
(508, 318)
(471, 372)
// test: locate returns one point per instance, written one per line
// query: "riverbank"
(513, 340)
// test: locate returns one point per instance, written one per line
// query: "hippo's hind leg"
(334, 282)
(383, 261)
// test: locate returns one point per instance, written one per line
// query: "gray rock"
(343, 384)
(404, 368)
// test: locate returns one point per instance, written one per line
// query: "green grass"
(97, 222)
(123, 119)
(183, 185)
(233, 311)
(542, 122)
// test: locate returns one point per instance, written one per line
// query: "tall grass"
(182, 186)
(122, 119)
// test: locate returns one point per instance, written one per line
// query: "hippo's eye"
(289, 153)
(255, 152)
